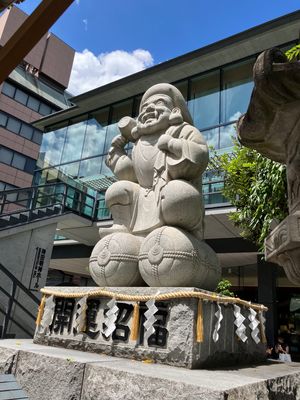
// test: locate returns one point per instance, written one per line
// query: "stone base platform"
(48, 373)
(167, 331)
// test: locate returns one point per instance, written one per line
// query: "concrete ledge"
(48, 373)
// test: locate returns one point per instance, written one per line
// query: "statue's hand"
(163, 142)
(116, 150)
(168, 144)
(119, 142)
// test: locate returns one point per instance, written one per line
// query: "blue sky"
(162, 29)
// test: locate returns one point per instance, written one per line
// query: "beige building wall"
(57, 50)
(53, 60)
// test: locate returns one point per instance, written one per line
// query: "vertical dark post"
(8, 315)
(266, 276)
(95, 207)
(64, 197)
(3, 203)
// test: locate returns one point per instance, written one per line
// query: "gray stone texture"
(181, 348)
(272, 127)
(64, 374)
(49, 378)
(157, 205)
(8, 359)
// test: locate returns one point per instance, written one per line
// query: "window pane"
(104, 168)
(52, 146)
(119, 111)
(237, 88)
(8, 89)
(3, 119)
(52, 175)
(227, 136)
(21, 97)
(11, 197)
(74, 142)
(8, 186)
(37, 137)
(13, 125)
(213, 183)
(183, 88)
(45, 109)
(212, 137)
(33, 103)
(90, 167)
(204, 103)
(5, 155)
(41, 177)
(30, 165)
(112, 131)
(26, 131)
(70, 169)
(136, 106)
(95, 134)
(2, 185)
(18, 161)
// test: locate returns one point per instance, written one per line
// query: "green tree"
(256, 186)
(293, 54)
(223, 288)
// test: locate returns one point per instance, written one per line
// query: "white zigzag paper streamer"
(48, 314)
(239, 319)
(110, 318)
(80, 319)
(254, 325)
(150, 319)
(219, 317)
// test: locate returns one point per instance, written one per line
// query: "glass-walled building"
(216, 82)
(216, 99)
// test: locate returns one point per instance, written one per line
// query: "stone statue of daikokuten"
(157, 207)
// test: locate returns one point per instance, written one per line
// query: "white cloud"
(91, 71)
(85, 22)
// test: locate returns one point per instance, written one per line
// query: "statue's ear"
(176, 116)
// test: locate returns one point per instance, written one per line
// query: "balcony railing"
(65, 196)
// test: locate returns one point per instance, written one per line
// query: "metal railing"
(67, 197)
(11, 294)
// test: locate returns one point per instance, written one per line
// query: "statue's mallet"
(125, 126)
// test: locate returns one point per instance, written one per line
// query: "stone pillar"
(266, 277)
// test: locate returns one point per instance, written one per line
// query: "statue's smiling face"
(155, 113)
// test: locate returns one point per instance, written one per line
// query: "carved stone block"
(167, 330)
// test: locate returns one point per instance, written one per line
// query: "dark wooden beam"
(4, 4)
(29, 33)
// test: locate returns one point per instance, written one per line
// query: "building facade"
(34, 89)
(216, 82)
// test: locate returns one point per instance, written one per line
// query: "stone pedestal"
(48, 373)
(282, 246)
(172, 339)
